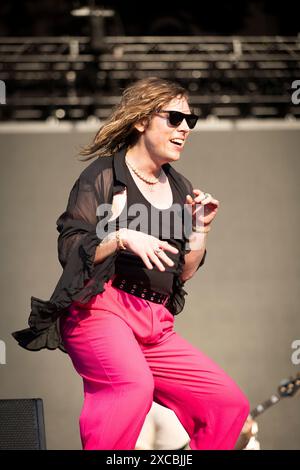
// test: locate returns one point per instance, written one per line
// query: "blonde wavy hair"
(138, 102)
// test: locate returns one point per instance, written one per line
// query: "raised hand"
(203, 206)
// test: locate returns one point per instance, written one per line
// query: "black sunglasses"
(176, 117)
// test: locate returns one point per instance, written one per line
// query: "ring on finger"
(205, 195)
(157, 250)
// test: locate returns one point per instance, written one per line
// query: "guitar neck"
(259, 409)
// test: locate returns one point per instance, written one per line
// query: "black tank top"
(166, 224)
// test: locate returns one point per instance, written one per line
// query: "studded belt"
(139, 290)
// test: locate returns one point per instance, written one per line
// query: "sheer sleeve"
(77, 225)
(81, 278)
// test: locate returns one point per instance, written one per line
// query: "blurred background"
(63, 66)
(69, 60)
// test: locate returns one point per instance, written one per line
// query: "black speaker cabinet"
(22, 424)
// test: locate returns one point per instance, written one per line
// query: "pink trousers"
(128, 354)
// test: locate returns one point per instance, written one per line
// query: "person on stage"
(133, 233)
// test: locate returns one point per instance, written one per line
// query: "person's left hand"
(204, 209)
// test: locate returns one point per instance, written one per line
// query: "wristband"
(120, 244)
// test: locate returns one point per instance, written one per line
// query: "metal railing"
(226, 76)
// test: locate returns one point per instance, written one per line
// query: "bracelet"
(200, 229)
(120, 244)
